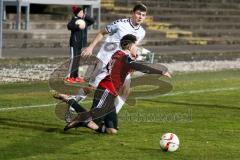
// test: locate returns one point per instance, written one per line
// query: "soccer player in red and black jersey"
(103, 108)
(103, 117)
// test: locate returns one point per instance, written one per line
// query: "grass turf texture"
(207, 123)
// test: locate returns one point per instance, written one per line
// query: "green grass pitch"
(203, 109)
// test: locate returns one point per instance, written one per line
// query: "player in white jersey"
(115, 31)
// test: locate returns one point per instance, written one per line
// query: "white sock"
(71, 109)
(81, 95)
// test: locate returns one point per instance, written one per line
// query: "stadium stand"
(173, 26)
(197, 21)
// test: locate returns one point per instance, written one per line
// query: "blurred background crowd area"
(173, 27)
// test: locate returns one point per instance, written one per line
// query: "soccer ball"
(169, 142)
(81, 23)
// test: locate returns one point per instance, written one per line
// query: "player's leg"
(120, 100)
(111, 122)
(107, 124)
(77, 107)
(103, 104)
(74, 65)
(104, 111)
(111, 130)
(70, 69)
(85, 116)
(73, 105)
(97, 75)
(82, 93)
(74, 62)
(91, 125)
(60, 96)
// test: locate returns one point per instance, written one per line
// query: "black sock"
(78, 108)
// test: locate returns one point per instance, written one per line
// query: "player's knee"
(111, 131)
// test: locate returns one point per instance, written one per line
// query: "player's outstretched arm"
(150, 68)
(88, 51)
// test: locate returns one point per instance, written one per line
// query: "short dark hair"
(141, 7)
(127, 40)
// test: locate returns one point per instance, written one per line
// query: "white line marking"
(170, 94)
(24, 107)
(201, 91)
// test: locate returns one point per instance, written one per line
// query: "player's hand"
(167, 74)
(87, 52)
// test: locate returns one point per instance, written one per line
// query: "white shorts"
(99, 73)
(107, 50)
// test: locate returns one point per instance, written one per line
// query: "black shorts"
(103, 108)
